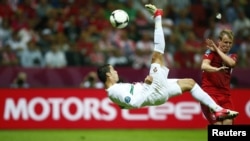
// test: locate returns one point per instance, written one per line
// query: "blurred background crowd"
(59, 33)
(77, 33)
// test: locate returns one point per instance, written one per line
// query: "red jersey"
(217, 83)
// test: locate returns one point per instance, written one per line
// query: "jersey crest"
(127, 99)
(155, 69)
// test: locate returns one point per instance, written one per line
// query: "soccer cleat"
(225, 114)
(153, 10)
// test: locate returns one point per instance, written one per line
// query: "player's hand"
(211, 45)
(222, 68)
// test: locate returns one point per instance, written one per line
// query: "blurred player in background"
(217, 66)
(157, 88)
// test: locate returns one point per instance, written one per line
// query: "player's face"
(225, 44)
(114, 74)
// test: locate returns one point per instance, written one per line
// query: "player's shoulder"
(208, 51)
(232, 55)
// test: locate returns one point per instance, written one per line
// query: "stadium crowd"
(62, 33)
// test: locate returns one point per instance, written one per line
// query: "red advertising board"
(90, 108)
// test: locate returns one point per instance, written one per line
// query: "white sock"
(158, 22)
(204, 98)
(159, 39)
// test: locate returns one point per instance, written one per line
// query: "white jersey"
(136, 95)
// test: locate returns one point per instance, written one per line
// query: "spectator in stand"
(141, 22)
(28, 33)
(19, 20)
(98, 19)
(45, 41)
(167, 22)
(244, 51)
(83, 17)
(129, 8)
(183, 22)
(28, 8)
(105, 43)
(179, 5)
(16, 43)
(32, 56)
(133, 31)
(173, 46)
(42, 8)
(211, 31)
(126, 46)
(117, 59)
(72, 30)
(8, 57)
(246, 8)
(5, 31)
(20, 81)
(231, 11)
(194, 47)
(55, 58)
(74, 57)
(62, 41)
(241, 26)
(85, 45)
(5, 9)
(144, 48)
(91, 81)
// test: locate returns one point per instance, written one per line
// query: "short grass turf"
(104, 135)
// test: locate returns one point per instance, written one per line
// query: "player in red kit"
(217, 66)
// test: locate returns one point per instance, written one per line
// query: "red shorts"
(223, 100)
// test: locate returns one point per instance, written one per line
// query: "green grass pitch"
(105, 135)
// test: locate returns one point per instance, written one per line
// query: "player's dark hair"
(102, 72)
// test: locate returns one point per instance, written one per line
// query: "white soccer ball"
(218, 16)
(119, 18)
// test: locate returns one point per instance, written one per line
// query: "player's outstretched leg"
(159, 41)
(198, 93)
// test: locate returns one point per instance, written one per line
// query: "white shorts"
(161, 88)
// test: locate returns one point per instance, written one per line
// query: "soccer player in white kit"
(156, 88)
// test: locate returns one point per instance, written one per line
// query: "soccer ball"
(119, 18)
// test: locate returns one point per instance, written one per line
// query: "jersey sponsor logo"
(56, 108)
(75, 109)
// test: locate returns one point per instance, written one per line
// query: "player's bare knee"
(186, 84)
(191, 82)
